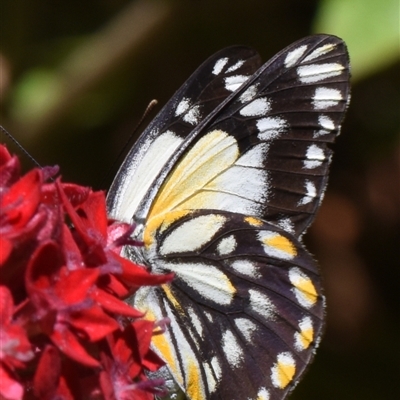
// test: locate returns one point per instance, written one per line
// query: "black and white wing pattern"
(221, 186)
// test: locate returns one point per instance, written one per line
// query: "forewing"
(195, 100)
(264, 150)
(245, 307)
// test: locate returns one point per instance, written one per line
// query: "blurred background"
(75, 78)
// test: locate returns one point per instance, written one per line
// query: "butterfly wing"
(245, 307)
(249, 174)
(264, 151)
(208, 86)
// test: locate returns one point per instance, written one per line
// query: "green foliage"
(369, 27)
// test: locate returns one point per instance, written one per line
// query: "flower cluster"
(65, 331)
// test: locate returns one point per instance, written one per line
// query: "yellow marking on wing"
(306, 337)
(172, 298)
(253, 221)
(285, 373)
(194, 386)
(211, 155)
(163, 221)
(165, 350)
(281, 243)
(307, 288)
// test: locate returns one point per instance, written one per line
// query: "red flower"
(70, 335)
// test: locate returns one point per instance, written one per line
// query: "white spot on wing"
(326, 97)
(191, 114)
(294, 55)
(248, 94)
(276, 245)
(318, 72)
(207, 280)
(327, 126)
(227, 245)
(192, 234)
(232, 349)
(196, 322)
(236, 66)
(232, 83)
(246, 327)
(301, 339)
(182, 107)
(256, 108)
(245, 267)
(303, 289)
(284, 360)
(263, 394)
(211, 382)
(320, 51)
(219, 66)
(216, 367)
(261, 304)
(270, 128)
(315, 156)
(286, 224)
(310, 195)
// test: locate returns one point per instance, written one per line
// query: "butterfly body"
(222, 185)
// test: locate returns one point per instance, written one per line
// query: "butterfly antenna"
(147, 111)
(19, 145)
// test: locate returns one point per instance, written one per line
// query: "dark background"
(77, 76)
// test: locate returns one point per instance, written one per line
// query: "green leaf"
(369, 27)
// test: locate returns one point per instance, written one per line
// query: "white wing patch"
(248, 94)
(191, 114)
(315, 156)
(294, 55)
(227, 245)
(232, 349)
(320, 51)
(256, 108)
(326, 97)
(246, 327)
(271, 128)
(142, 173)
(326, 124)
(245, 267)
(213, 176)
(310, 195)
(219, 65)
(318, 72)
(261, 304)
(233, 83)
(208, 281)
(192, 234)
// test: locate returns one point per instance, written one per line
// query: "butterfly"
(221, 186)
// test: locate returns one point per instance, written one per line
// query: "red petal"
(9, 171)
(22, 200)
(45, 262)
(114, 305)
(73, 286)
(10, 388)
(96, 214)
(138, 276)
(94, 322)
(47, 373)
(6, 305)
(144, 333)
(67, 342)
